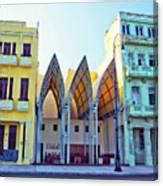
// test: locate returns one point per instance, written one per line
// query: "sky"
(72, 30)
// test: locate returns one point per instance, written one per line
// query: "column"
(38, 136)
(62, 137)
(131, 147)
(148, 152)
(96, 125)
(21, 44)
(121, 136)
(28, 147)
(126, 141)
(68, 131)
(20, 148)
(84, 139)
(91, 136)
(6, 135)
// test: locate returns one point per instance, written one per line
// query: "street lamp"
(116, 110)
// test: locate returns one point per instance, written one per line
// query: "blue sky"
(72, 30)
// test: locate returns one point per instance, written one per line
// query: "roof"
(53, 81)
(81, 89)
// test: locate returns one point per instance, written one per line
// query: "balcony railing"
(25, 61)
(8, 60)
(139, 39)
(142, 111)
(6, 105)
(140, 71)
(23, 106)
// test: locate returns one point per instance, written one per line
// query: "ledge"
(25, 61)
(8, 60)
(23, 106)
(6, 105)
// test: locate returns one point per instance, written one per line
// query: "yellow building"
(18, 80)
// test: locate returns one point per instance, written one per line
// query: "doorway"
(139, 146)
(2, 130)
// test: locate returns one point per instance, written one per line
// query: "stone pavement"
(77, 172)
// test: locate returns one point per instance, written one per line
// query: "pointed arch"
(81, 89)
(53, 81)
(104, 92)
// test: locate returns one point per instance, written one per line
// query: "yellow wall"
(18, 32)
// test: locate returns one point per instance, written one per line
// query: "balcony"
(135, 71)
(6, 105)
(142, 111)
(23, 106)
(144, 40)
(25, 61)
(8, 60)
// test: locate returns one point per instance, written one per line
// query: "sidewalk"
(77, 172)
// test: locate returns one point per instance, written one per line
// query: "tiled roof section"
(81, 88)
(105, 92)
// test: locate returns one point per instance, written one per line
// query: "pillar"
(20, 149)
(96, 125)
(38, 135)
(131, 145)
(62, 137)
(68, 130)
(91, 137)
(148, 152)
(6, 135)
(126, 142)
(84, 139)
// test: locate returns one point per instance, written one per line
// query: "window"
(126, 29)
(65, 128)
(12, 138)
(14, 49)
(151, 32)
(55, 127)
(141, 59)
(141, 137)
(2, 132)
(0, 47)
(151, 60)
(87, 128)
(7, 48)
(24, 89)
(136, 95)
(11, 88)
(43, 127)
(27, 50)
(139, 30)
(76, 128)
(98, 129)
(152, 96)
(3, 88)
(130, 58)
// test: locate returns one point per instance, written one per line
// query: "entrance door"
(139, 146)
(42, 152)
(12, 138)
(2, 130)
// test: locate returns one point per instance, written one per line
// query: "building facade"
(132, 42)
(18, 73)
(130, 64)
(90, 117)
